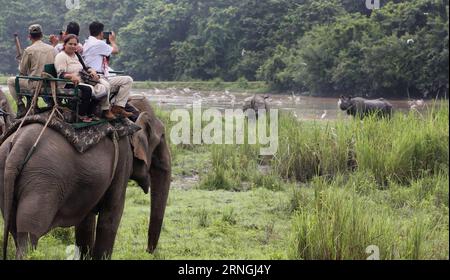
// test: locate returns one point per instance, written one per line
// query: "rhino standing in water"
(256, 103)
(360, 107)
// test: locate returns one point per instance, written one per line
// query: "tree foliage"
(325, 47)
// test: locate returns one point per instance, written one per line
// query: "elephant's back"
(54, 154)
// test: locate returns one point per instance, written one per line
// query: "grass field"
(333, 189)
(214, 85)
(3, 80)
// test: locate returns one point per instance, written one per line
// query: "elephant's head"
(144, 142)
(152, 169)
(345, 103)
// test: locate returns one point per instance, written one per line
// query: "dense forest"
(324, 47)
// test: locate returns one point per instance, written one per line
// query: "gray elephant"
(60, 187)
(6, 114)
(256, 103)
(360, 107)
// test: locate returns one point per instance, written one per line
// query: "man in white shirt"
(96, 53)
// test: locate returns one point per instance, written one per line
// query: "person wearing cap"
(34, 58)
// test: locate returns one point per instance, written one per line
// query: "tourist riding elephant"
(59, 187)
(360, 107)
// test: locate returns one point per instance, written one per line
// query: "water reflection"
(304, 107)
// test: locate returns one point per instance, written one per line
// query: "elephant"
(256, 103)
(6, 113)
(59, 187)
(360, 107)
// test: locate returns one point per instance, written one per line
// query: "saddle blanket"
(82, 139)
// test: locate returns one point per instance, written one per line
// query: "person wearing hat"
(34, 58)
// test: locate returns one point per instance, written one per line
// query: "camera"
(106, 35)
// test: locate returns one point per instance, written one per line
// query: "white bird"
(227, 92)
(416, 104)
(157, 91)
(187, 90)
(410, 41)
(243, 52)
(324, 115)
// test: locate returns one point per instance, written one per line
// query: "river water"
(303, 107)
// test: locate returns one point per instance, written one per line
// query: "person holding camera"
(96, 53)
(58, 41)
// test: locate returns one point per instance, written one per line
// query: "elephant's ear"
(140, 139)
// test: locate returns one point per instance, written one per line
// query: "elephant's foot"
(85, 237)
(24, 240)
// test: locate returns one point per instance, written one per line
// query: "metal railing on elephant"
(32, 108)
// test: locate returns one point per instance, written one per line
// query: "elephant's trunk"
(161, 178)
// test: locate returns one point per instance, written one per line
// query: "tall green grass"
(231, 166)
(405, 148)
(309, 149)
(340, 222)
(402, 149)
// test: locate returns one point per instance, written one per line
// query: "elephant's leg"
(35, 214)
(85, 236)
(108, 221)
(13, 228)
(161, 178)
(24, 240)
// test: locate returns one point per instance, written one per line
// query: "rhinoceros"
(361, 107)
